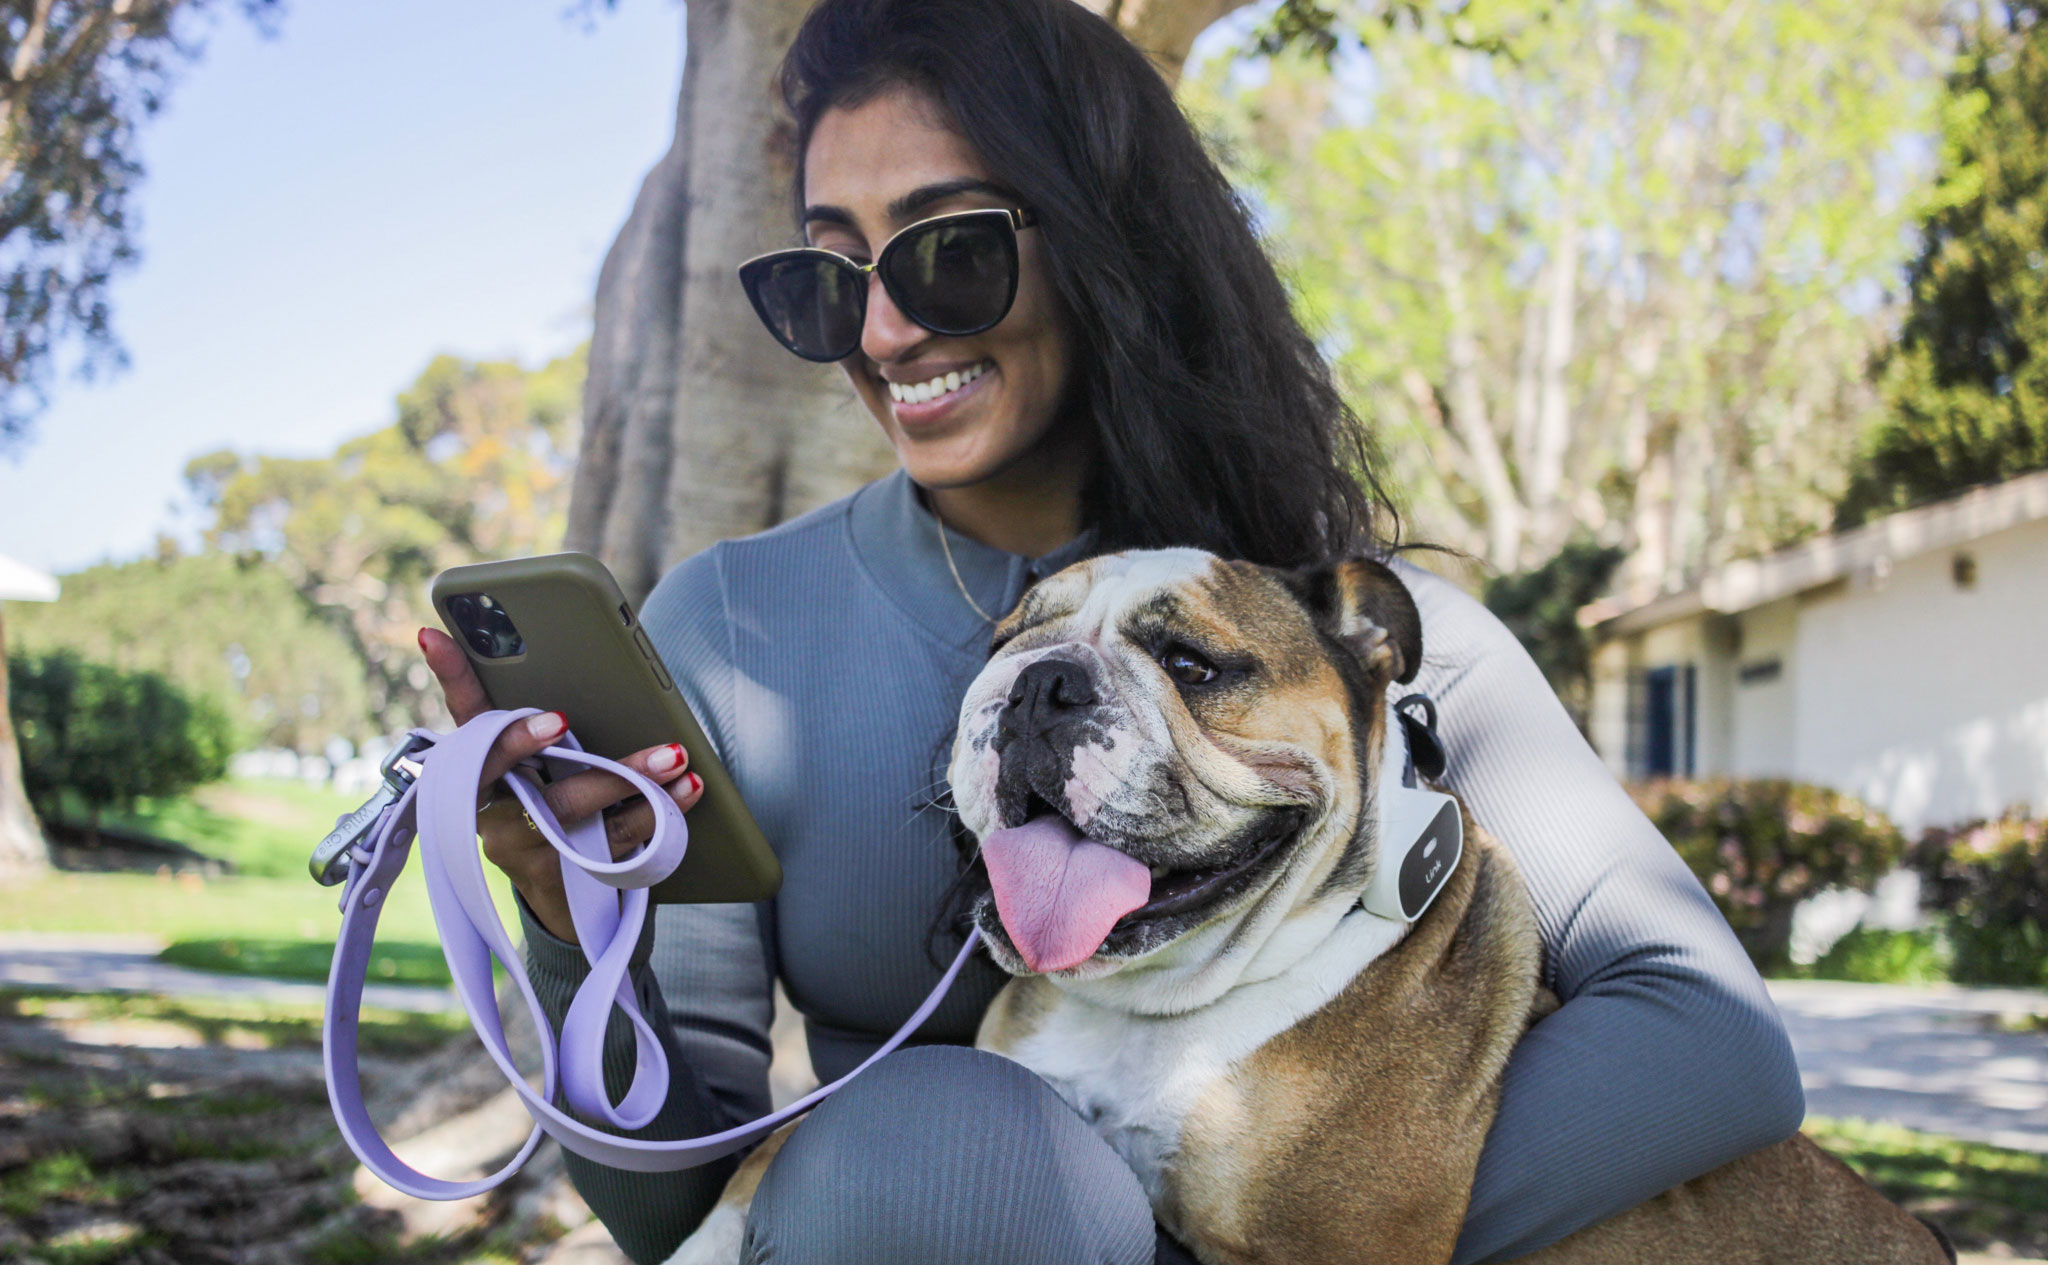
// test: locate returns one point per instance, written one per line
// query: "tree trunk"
(696, 424)
(24, 853)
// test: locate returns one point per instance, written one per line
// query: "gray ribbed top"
(826, 659)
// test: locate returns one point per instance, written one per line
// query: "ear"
(1364, 606)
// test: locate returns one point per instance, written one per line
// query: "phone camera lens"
(486, 625)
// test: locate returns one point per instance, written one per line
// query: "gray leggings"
(945, 1154)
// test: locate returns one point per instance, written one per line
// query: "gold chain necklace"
(961, 584)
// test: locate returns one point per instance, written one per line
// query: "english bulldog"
(1182, 773)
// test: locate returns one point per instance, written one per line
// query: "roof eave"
(1748, 583)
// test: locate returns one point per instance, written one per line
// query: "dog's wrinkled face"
(1169, 756)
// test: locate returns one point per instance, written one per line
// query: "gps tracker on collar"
(1422, 832)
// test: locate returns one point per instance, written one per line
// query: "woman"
(1146, 385)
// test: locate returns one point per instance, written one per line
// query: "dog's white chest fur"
(1137, 1078)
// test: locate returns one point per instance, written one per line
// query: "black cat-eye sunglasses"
(953, 274)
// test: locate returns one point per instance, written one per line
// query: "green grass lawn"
(269, 918)
(395, 961)
(1982, 1195)
(241, 1022)
(263, 827)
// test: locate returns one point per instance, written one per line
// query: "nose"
(1044, 695)
(887, 334)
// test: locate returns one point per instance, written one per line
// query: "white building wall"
(1763, 716)
(1927, 700)
(1607, 714)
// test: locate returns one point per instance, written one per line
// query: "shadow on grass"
(1982, 1195)
(236, 1022)
(394, 962)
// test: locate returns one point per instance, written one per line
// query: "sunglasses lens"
(812, 304)
(954, 277)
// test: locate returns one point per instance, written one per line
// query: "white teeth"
(944, 384)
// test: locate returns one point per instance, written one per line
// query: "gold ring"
(507, 809)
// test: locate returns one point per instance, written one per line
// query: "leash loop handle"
(608, 905)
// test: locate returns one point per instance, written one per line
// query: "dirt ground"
(173, 1133)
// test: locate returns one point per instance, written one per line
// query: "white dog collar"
(1422, 833)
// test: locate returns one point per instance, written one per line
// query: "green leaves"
(233, 630)
(76, 78)
(1761, 846)
(1618, 270)
(475, 466)
(1968, 391)
(1541, 607)
(1991, 878)
(108, 736)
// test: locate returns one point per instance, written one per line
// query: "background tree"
(76, 77)
(1967, 383)
(1622, 280)
(476, 466)
(1541, 607)
(232, 629)
(110, 737)
(697, 425)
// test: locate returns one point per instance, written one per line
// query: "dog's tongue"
(1058, 893)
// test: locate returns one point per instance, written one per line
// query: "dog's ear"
(1365, 606)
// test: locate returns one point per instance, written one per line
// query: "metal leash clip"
(401, 768)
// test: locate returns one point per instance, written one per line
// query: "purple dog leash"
(607, 903)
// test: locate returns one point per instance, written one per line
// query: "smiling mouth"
(941, 389)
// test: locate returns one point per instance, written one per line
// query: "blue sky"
(327, 210)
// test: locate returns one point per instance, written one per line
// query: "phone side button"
(653, 659)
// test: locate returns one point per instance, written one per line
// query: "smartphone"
(554, 632)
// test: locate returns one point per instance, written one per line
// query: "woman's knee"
(942, 1154)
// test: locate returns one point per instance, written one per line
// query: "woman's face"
(870, 170)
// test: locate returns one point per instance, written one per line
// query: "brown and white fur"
(1293, 1078)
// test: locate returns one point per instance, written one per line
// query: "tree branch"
(1469, 416)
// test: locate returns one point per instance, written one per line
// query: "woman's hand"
(509, 843)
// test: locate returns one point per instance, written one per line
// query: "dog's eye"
(1186, 666)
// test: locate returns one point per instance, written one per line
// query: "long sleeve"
(1667, 1058)
(704, 976)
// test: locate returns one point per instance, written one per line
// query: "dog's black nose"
(1044, 694)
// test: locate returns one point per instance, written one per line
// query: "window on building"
(1662, 710)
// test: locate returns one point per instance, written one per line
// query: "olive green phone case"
(585, 655)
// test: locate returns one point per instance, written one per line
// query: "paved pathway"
(1937, 1059)
(127, 964)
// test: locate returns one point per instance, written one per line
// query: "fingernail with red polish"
(423, 641)
(547, 724)
(696, 784)
(665, 759)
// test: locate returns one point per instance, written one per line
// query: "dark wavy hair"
(1217, 422)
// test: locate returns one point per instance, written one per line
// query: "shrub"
(108, 736)
(1762, 846)
(1875, 955)
(1541, 607)
(1991, 879)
